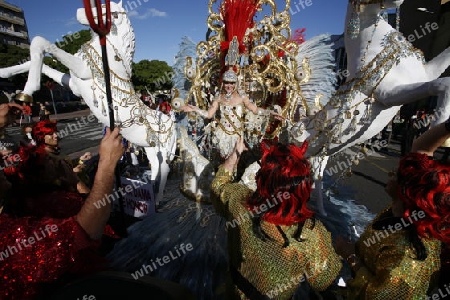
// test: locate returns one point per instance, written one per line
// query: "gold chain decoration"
(123, 94)
(366, 82)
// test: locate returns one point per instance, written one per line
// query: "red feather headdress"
(284, 172)
(237, 17)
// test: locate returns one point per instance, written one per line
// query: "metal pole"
(53, 101)
(102, 29)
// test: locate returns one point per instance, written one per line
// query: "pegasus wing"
(179, 80)
(316, 71)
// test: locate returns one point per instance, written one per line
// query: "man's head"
(27, 129)
(45, 132)
(9, 113)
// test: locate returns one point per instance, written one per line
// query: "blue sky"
(159, 25)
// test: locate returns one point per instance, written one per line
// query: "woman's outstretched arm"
(207, 114)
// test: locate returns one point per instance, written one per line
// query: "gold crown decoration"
(232, 57)
(260, 53)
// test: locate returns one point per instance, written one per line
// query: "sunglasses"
(229, 82)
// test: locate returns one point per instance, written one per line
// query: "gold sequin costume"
(388, 268)
(229, 127)
(273, 270)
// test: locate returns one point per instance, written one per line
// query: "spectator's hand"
(78, 168)
(86, 156)
(111, 148)
(5, 152)
(9, 113)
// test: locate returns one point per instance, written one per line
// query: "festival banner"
(138, 197)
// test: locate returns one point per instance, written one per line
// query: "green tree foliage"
(71, 43)
(155, 75)
(11, 55)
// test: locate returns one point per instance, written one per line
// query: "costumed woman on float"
(232, 106)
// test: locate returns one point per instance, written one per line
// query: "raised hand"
(111, 148)
(9, 112)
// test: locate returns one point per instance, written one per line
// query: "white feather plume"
(319, 51)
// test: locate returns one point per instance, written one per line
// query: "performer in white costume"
(232, 105)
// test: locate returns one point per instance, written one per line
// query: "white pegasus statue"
(385, 72)
(139, 124)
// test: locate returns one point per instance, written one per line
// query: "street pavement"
(366, 183)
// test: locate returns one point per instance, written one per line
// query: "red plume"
(238, 17)
(298, 36)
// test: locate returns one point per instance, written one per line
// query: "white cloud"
(132, 13)
(149, 13)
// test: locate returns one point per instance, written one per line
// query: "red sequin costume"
(41, 241)
(36, 251)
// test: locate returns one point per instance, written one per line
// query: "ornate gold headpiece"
(230, 76)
